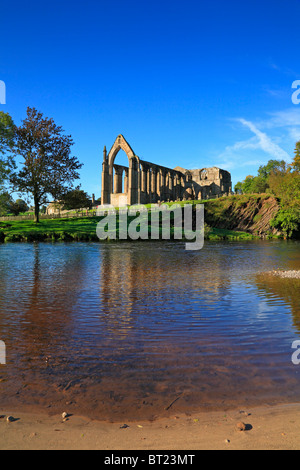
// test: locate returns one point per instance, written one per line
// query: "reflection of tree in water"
(286, 289)
(42, 351)
(54, 280)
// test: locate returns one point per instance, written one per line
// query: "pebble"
(245, 413)
(241, 426)
(10, 419)
(65, 415)
(287, 274)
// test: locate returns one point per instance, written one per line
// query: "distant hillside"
(247, 213)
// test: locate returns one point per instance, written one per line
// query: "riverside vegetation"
(36, 160)
(239, 217)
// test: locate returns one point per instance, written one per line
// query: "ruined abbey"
(144, 182)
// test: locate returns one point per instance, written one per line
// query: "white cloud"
(282, 119)
(265, 143)
(252, 152)
(294, 134)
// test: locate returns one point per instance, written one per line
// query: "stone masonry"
(144, 182)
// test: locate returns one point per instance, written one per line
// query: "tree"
(272, 165)
(47, 165)
(247, 184)
(7, 133)
(21, 205)
(76, 199)
(296, 162)
(5, 202)
(238, 189)
(260, 184)
(7, 130)
(285, 184)
(283, 181)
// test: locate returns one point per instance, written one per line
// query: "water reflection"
(275, 288)
(121, 330)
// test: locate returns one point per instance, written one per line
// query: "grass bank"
(224, 218)
(75, 229)
(251, 213)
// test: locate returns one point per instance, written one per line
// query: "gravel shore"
(287, 274)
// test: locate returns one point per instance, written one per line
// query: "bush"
(287, 221)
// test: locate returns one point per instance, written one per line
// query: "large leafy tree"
(284, 182)
(7, 132)
(76, 199)
(260, 183)
(265, 171)
(46, 164)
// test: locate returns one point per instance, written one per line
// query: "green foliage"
(9, 206)
(286, 186)
(76, 199)
(260, 184)
(44, 153)
(217, 234)
(7, 133)
(282, 180)
(238, 189)
(273, 165)
(5, 202)
(7, 130)
(287, 221)
(296, 162)
(84, 229)
(18, 206)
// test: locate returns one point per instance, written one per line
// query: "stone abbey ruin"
(144, 182)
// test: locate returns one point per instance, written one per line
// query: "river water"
(141, 330)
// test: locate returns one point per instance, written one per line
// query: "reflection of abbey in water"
(143, 182)
(133, 282)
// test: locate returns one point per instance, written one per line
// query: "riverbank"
(251, 213)
(84, 229)
(267, 428)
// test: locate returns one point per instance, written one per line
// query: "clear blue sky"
(188, 83)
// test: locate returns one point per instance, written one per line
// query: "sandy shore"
(273, 428)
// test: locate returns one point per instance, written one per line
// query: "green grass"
(83, 229)
(217, 234)
(55, 229)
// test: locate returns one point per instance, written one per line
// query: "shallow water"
(124, 331)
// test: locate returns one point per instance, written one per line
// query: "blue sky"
(188, 83)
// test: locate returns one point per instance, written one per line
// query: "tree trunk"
(36, 212)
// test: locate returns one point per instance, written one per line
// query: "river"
(141, 330)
